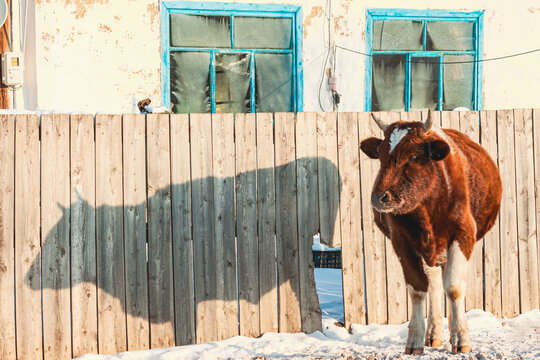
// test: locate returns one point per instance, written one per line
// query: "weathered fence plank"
(110, 235)
(160, 267)
(508, 215)
(246, 224)
(373, 238)
(181, 229)
(134, 157)
(328, 179)
(536, 134)
(492, 251)
(474, 295)
(223, 165)
(27, 240)
(7, 255)
(286, 225)
(526, 210)
(351, 223)
(55, 248)
(83, 236)
(203, 227)
(308, 218)
(268, 306)
(396, 286)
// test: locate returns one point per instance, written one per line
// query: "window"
(220, 57)
(423, 59)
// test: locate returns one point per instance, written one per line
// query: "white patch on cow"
(454, 280)
(435, 292)
(417, 327)
(437, 130)
(396, 137)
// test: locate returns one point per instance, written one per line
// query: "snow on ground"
(491, 338)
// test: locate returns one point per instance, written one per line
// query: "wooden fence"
(130, 232)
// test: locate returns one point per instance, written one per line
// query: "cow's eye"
(412, 158)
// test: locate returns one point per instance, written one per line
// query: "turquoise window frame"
(229, 9)
(477, 17)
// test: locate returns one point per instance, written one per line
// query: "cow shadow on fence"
(132, 255)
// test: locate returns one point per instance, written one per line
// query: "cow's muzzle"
(383, 201)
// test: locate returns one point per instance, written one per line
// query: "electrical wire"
(329, 17)
(451, 62)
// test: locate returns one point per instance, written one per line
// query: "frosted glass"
(424, 83)
(458, 82)
(450, 35)
(190, 82)
(397, 35)
(232, 83)
(200, 31)
(388, 91)
(273, 81)
(262, 33)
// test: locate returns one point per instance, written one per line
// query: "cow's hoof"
(411, 351)
(433, 342)
(461, 349)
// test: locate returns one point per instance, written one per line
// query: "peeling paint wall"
(100, 55)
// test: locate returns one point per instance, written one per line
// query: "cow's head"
(409, 154)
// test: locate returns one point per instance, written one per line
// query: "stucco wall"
(101, 55)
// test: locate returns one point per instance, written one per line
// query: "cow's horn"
(379, 123)
(429, 121)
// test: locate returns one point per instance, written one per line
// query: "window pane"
(388, 83)
(273, 80)
(262, 33)
(397, 35)
(424, 83)
(200, 31)
(450, 35)
(232, 83)
(189, 82)
(458, 82)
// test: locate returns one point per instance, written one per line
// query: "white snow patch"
(396, 137)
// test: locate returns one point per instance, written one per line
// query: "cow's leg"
(417, 327)
(454, 286)
(435, 291)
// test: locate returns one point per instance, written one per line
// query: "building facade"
(266, 55)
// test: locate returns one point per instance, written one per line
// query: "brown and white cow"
(437, 193)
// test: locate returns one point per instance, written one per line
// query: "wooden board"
(246, 224)
(286, 225)
(266, 223)
(83, 236)
(160, 267)
(351, 222)
(181, 226)
(134, 156)
(27, 239)
(308, 218)
(536, 134)
(202, 186)
(225, 261)
(450, 120)
(373, 238)
(508, 215)
(474, 295)
(329, 181)
(526, 210)
(109, 231)
(55, 247)
(492, 251)
(396, 286)
(7, 255)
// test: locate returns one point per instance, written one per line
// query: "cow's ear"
(437, 149)
(370, 147)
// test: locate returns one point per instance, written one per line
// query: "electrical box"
(12, 68)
